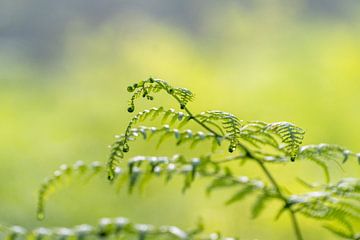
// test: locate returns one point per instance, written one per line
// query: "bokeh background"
(65, 65)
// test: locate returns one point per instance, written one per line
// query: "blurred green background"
(65, 65)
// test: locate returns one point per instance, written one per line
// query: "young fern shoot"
(337, 205)
(254, 140)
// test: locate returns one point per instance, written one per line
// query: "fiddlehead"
(147, 87)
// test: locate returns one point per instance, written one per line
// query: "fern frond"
(247, 187)
(291, 136)
(282, 136)
(59, 177)
(107, 228)
(342, 232)
(230, 123)
(260, 204)
(345, 187)
(154, 113)
(186, 136)
(322, 154)
(147, 87)
(254, 133)
(337, 202)
(138, 170)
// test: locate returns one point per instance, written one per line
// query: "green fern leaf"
(230, 123)
(291, 136)
(109, 228)
(322, 154)
(259, 205)
(241, 194)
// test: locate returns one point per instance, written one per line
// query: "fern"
(322, 154)
(229, 122)
(186, 136)
(150, 86)
(117, 228)
(140, 169)
(291, 136)
(336, 205)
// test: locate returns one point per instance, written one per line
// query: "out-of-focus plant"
(334, 204)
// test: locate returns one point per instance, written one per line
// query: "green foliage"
(146, 88)
(291, 136)
(337, 204)
(322, 154)
(117, 228)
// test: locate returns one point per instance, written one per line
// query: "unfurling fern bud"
(130, 89)
(131, 109)
(126, 148)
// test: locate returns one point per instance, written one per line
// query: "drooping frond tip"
(229, 122)
(291, 135)
(59, 176)
(148, 87)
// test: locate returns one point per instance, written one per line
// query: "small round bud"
(126, 148)
(151, 80)
(135, 85)
(130, 88)
(131, 109)
(171, 90)
(231, 149)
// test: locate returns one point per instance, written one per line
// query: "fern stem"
(201, 123)
(192, 116)
(263, 167)
(295, 224)
(271, 178)
(276, 186)
(230, 159)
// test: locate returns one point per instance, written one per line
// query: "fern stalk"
(258, 141)
(248, 154)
